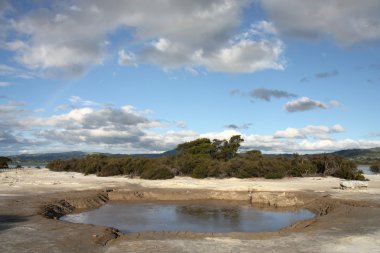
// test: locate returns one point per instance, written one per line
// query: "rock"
(353, 184)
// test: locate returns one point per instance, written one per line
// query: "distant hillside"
(47, 157)
(167, 153)
(359, 154)
(355, 154)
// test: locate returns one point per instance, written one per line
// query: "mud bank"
(346, 221)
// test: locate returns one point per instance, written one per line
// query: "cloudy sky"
(139, 76)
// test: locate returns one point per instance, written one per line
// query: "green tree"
(202, 146)
(227, 150)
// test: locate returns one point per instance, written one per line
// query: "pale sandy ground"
(36, 181)
(32, 181)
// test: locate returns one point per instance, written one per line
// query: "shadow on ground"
(7, 220)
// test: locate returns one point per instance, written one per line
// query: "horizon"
(130, 77)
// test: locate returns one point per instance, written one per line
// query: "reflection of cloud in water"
(204, 211)
(210, 216)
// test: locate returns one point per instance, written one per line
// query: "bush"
(375, 168)
(274, 175)
(157, 173)
(350, 174)
(201, 171)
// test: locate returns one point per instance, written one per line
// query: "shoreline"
(346, 218)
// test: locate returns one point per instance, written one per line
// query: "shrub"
(157, 173)
(375, 168)
(349, 173)
(274, 175)
(201, 171)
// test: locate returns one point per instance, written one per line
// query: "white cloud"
(347, 21)
(245, 56)
(6, 70)
(126, 58)
(81, 101)
(263, 27)
(172, 34)
(5, 84)
(305, 104)
(128, 130)
(319, 132)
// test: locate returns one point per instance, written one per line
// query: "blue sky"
(143, 76)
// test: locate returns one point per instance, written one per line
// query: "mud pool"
(200, 216)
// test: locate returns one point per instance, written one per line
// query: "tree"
(226, 150)
(254, 154)
(4, 162)
(202, 146)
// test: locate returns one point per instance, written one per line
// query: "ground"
(352, 224)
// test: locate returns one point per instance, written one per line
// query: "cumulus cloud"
(305, 104)
(89, 118)
(267, 94)
(347, 21)
(319, 132)
(128, 130)
(244, 56)
(204, 35)
(7, 138)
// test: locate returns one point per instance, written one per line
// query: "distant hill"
(166, 153)
(359, 153)
(354, 154)
(47, 157)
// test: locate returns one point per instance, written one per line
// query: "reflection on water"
(210, 216)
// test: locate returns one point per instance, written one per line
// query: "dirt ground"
(346, 221)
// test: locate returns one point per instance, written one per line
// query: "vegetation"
(375, 168)
(4, 162)
(203, 158)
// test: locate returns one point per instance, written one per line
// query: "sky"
(141, 76)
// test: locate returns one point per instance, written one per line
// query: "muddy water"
(210, 216)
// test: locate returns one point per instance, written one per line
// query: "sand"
(23, 192)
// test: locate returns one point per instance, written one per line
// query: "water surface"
(366, 169)
(210, 216)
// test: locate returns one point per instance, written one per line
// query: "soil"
(346, 221)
